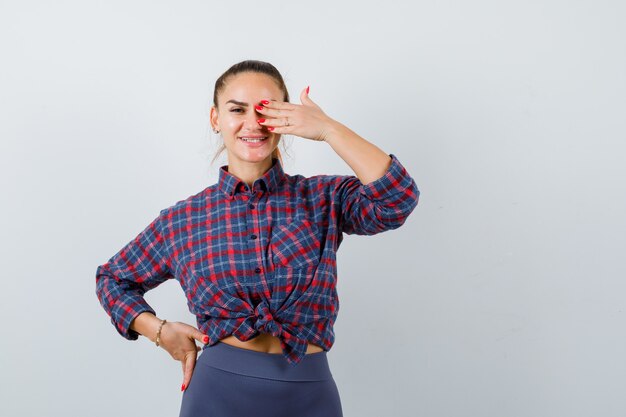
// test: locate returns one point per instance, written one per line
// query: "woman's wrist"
(334, 131)
(146, 324)
(158, 333)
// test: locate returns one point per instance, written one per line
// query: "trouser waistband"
(313, 367)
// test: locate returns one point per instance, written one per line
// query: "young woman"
(255, 256)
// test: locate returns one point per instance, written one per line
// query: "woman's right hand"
(179, 341)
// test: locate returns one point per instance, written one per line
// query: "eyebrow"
(239, 103)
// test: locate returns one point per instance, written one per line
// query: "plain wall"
(503, 293)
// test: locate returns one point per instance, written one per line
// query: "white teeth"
(253, 140)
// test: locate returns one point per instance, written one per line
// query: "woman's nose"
(251, 119)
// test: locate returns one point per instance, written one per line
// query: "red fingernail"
(182, 387)
(261, 120)
(259, 107)
(205, 339)
(270, 127)
(307, 89)
(265, 102)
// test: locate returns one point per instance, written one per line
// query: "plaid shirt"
(260, 259)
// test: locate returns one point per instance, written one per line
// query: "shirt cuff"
(125, 310)
(394, 181)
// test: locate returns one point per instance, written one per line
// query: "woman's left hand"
(306, 120)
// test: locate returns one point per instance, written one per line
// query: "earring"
(215, 130)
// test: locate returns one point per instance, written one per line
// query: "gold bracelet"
(159, 332)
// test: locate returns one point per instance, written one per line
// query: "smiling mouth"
(253, 139)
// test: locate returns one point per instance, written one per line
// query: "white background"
(503, 293)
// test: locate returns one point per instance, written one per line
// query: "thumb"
(200, 337)
(305, 99)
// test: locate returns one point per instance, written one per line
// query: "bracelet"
(158, 336)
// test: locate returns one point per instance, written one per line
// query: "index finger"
(279, 105)
(188, 367)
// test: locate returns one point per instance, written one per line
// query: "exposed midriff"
(264, 342)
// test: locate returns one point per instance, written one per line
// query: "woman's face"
(237, 117)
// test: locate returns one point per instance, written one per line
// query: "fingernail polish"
(270, 127)
(258, 107)
(261, 120)
(265, 102)
(307, 89)
(182, 387)
(205, 339)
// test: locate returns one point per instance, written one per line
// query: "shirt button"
(257, 270)
(253, 236)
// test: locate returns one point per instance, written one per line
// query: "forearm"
(368, 161)
(146, 324)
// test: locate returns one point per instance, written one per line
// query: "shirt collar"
(269, 181)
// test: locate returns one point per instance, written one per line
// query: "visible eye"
(234, 110)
